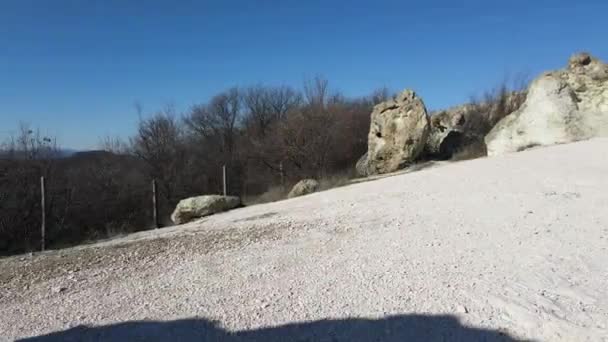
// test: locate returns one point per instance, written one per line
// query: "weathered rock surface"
(303, 187)
(447, 130)
(196, 207)
(398, 132)
(562, 106)
(361, 166)
(460, 127)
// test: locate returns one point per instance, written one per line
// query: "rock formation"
(196, 207)
(447, 130)
(303, 187)
(398, 132)
(562, 106)
(361, 166)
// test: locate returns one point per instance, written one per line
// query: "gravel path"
(506, 248)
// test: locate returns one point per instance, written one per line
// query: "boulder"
(462, 127)
(562, 106)
(361, 166)
(303, 187)
(196, 207)
(447, 130)
(398, 133)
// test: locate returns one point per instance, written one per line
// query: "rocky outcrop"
(463, 127)
(447, 130)
(561, 106)
(196, 207)
(398, 132)
(303, 187)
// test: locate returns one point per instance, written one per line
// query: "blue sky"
(75, 68)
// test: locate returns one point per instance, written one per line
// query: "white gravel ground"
(506, 248)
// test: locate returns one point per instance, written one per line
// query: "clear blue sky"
(76, 68)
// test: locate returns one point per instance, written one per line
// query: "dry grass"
(472, 151)
(494, 106)
(274, 194)
(278, 193)
(334, 181)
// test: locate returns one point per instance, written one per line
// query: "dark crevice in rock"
(389, 108)
(450, 144)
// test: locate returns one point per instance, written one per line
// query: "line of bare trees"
(264, 135)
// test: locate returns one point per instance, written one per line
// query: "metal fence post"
(154, 204)
(43, 213)
(282, 174)
(224, 179)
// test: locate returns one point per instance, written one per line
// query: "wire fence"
(43, 209)
(41, 212)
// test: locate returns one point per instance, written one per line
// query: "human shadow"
(391, 328)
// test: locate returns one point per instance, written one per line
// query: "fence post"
(43, 213)
(154, 204)
(282, 174)
(224, 180)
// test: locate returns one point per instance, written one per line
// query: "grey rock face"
(446, 133)
(196, 207)
(398, 132)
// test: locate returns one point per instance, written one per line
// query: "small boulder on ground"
(196, 207)
(562, 106)
(397, 135)
(303, 187)
(361, 166)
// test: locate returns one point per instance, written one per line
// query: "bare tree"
(316, 92)
(380, 95)
(265, 106)
(306, 140)
(217, 121)
(113, 144)
(29, 156)
(30, 144)
(159, 143)
(283, 100)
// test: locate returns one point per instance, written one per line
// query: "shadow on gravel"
(392, 328)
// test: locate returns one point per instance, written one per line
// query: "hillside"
(504, 248)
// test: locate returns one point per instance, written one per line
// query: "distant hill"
(64, 153)
(61, 153)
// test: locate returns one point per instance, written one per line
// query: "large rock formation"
(303, 187)
(562, 106)
(398, 132)
(196, 207)
(462, 127)
(447, 131)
